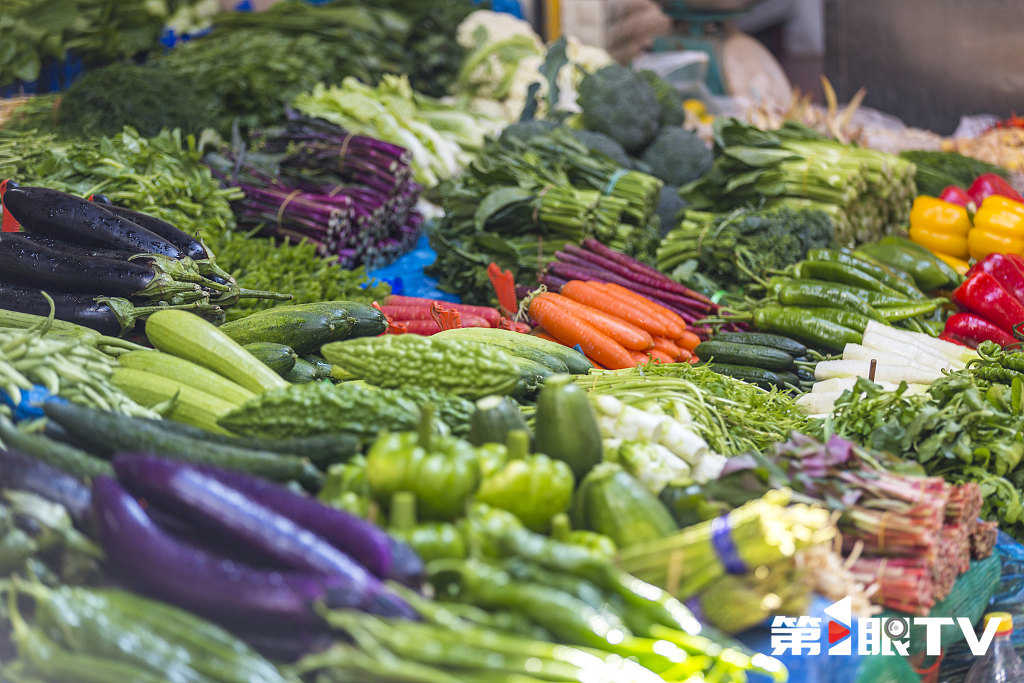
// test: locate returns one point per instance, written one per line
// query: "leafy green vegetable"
(959, 429)
(937, 170)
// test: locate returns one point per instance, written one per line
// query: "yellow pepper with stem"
(940, 227)
(998, 228)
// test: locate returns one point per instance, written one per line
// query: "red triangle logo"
(836, 631)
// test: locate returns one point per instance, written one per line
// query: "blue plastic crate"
(54, 76)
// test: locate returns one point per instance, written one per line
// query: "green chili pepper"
(443, 471)
(895, 313)
(850, 319)
(532, 487)
(928, 271)
(776, 284)
(803, 293)
(842, 273)
(1017, 396)
(884, 274)
(791, 321)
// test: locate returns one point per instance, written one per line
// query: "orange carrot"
(660, 357)
(684, 356)
(667, 347)
(689, 341)
(675, 329)
(541, 334)
(693, 360)
(569, 330)
(630, 336)
(589, 294)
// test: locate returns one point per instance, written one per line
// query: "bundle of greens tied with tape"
(866, 193)
(966, 427)
(524, 199)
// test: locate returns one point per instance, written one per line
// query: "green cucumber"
(772, 341)
(191, 406)
(493, 419)
(509, 344)
(184, 372)
(743, 354)
(302, 373)
(66, 458)
(323, 368)
(566, 426)
(766, 379)
(538, 371)
(105, 434)
(190, 337)
(278, 357)
(307, 327)
(323, 451)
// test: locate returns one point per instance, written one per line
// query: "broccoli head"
(599, 142)
(669, 206)
(526, 130)
(620, 103)
(777, 238)
(670, 99)
(677, 156)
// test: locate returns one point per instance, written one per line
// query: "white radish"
(954, 352)
(883, 373)
(922, 355)
(859, 352)
(819, 404)
(829, 386)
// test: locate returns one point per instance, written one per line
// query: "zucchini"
(307, 327)
(493, 419)
(191, 406)
(744, 354)
(323, 451)
(323, 368)
(766, 379)
(182, 371)
(66, 458)
(509, 345)
(188, 336)
(772, 341)
(567, 427)
(278, 357)
(302, 373)
(105, 434)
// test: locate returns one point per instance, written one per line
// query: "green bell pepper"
(345, 487)
(431, 541)
(532, 487)
(442, 471)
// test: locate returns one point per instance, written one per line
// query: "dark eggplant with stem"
(63, 216)
(185, 242)
(112, 316)
(78, 249)
(25, 263)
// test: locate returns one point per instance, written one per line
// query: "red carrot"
(429, 327)
(491, 315)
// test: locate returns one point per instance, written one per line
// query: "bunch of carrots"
(615, 327)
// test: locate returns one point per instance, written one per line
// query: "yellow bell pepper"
(957, 264)
(940, 227)
(998, 228)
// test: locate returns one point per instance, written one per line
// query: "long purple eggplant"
(220, 588)
(384, 556)
(81, 309)
(202, 499)
(188, 244)
(63, 216)
(78, 249)
(28, 474)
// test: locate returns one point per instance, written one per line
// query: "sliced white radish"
(912, 351)
(819, 404)
(954, 352)
(883, 373)
(859, 352)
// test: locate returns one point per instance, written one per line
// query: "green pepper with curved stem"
(443, 471)
(532, 487)
(883, 273)
(561, 531)
(795, 322)
(847, 274)
(802, 293)
(431, 540)
(345, 487)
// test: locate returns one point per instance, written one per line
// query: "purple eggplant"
(220, 588)
(185, 242)
(81, 309)
(63, 216)
(383, 555)
(78, 249)
(202, 499)
(28, 474)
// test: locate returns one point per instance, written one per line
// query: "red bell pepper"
(982, 294)
(988, 184)
(973, 329)
(1007, 271)
(957, 195)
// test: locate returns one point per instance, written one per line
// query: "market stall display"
(228, 455)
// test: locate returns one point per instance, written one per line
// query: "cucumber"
(66, 458)
(567, 427)
(190, 337)
(302, 373)
(493, 419)
(553, 355)
(278, 357)
(743, 354)
(766, 379)
(191, 406)
(105, 434)
(182, 371)
(772, 341)
(323, 451)
(323, 368)
(538, 371)
(307, 327)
